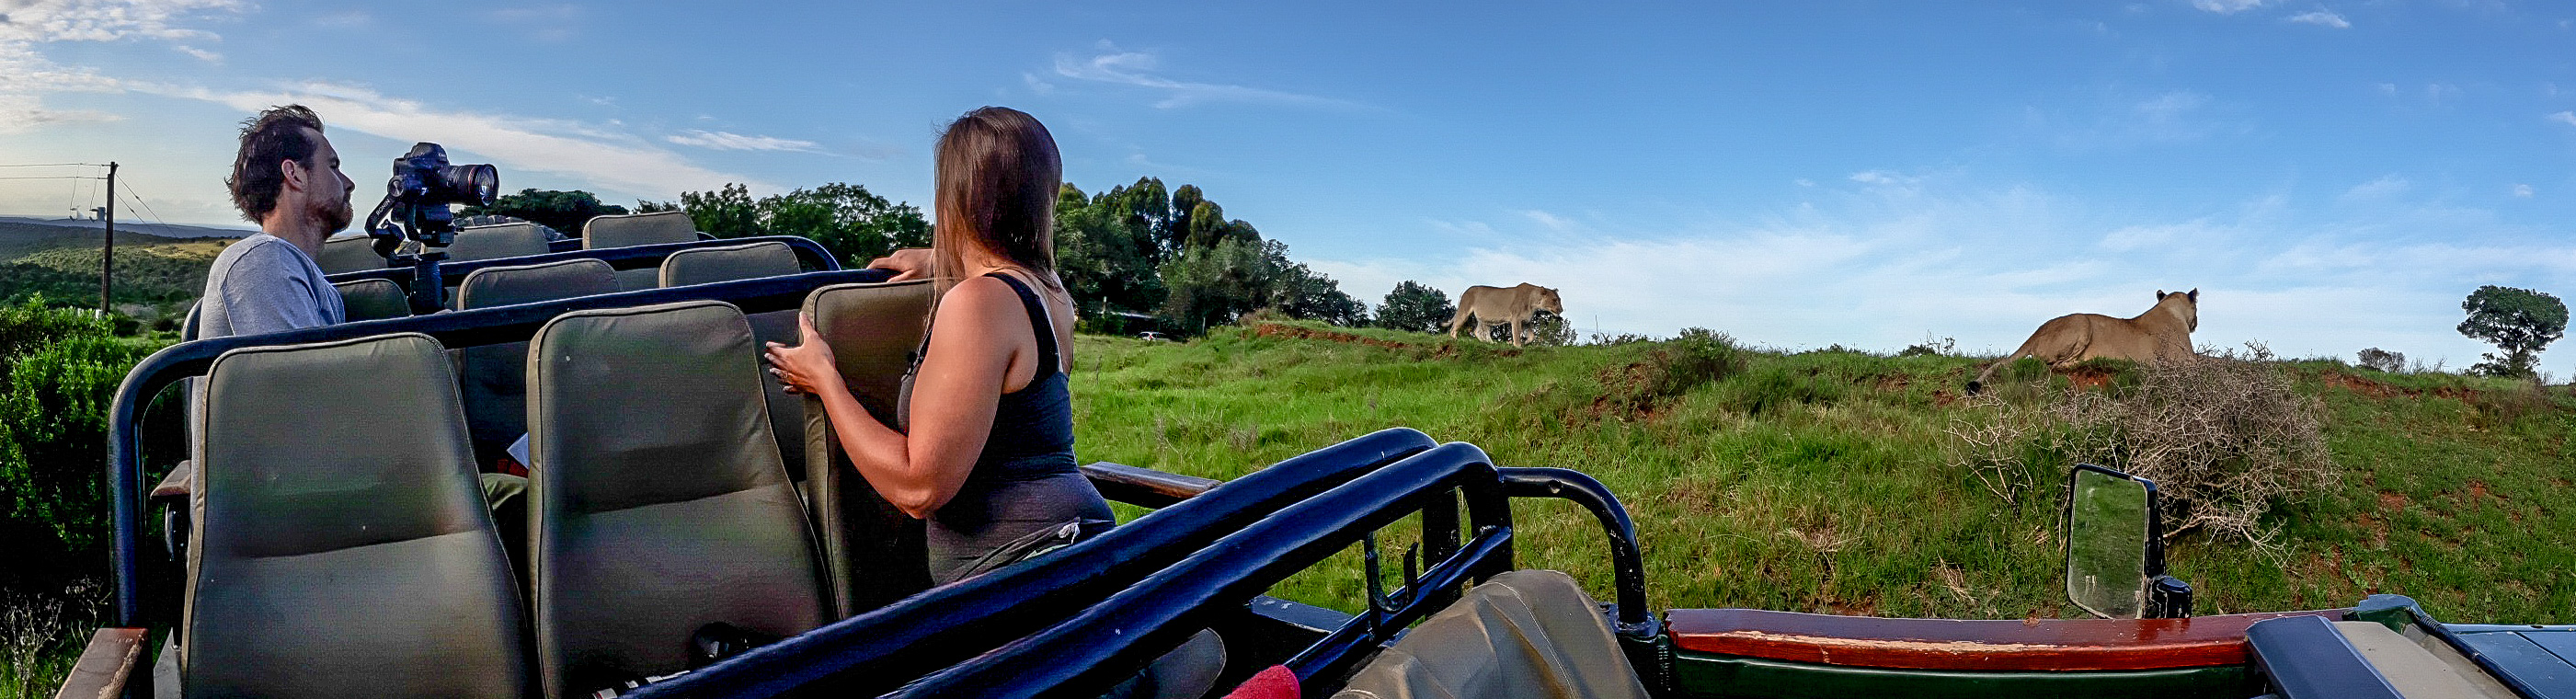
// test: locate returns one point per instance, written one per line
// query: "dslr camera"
(415, 209)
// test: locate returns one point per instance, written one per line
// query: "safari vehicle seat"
(752, 261)
(373, 299)
(493, 378)
(496, 377)
(628, 230)
(348, 253)
(1525, 633)
(728, 263)
(496, 242)
(658, 507)
(875, 552)
(638, 229)
(343, 548)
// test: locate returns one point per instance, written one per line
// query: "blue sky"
(2332, 175)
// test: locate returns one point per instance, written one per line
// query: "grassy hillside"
(62, 263)
(1822, 481)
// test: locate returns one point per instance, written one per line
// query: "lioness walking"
(1514, 305)
(2163, 332)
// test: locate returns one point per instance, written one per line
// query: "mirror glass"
(2106, 552)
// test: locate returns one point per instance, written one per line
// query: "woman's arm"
(954, 396)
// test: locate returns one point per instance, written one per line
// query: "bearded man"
(286, 178)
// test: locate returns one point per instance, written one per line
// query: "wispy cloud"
(720, 140)
(604, 156)
(2385, 186)
(199, 54)
(1139, 69)
(1885, 178)
(1550, 221)
(544, 22)
(2226, 7)
(2322, 18)
(2522, 191)
(26, 75)
(2568, 118)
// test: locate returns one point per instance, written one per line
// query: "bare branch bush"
(2225, 437)
(32, 623)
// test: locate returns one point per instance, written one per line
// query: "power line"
(54, 177)
(51, 165)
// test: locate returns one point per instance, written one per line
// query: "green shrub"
(1777, 387)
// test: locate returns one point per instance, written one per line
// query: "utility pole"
(107, 251)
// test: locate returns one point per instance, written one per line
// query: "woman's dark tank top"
(1025, 480)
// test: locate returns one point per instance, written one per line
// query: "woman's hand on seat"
(807, 367)
(908, 264)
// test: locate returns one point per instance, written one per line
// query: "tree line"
(1140, 249)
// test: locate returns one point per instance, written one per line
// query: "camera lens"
(470, 184)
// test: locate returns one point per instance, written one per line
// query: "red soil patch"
(2376, 389)
(1442, 351)
(2392, 501)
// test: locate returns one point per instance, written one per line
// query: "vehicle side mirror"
(2115, 565)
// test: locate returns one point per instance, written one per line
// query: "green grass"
(1818, 481)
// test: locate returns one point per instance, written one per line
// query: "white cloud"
(1884, 178)
(2226, 7)
(101, 20)
(2568, 118)
(1552, 222)
(613, 160)
(2386, 186)
(26, 76)
(1137, 68)
(2522, 190)
(721, 140)
(2322, 18)
(199, 54)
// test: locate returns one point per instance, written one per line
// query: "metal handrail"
(808, 252)
(1107, 643)
(876, 652)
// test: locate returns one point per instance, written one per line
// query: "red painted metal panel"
(1954, 644)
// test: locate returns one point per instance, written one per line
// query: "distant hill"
(61, 262)
(163, 230)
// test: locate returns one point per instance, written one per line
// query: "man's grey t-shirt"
(264, 284)
(261, 284)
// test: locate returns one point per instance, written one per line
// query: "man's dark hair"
(278, 134)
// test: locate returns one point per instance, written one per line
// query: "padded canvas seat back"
(496, 242)
(638, 229)
(657, 501)
(348, 253)
(373, 299)
(752, 261)
(1525, 633)
(506, 286)
(875, 552)
(342, 548)
(724, 264)
(493, 378)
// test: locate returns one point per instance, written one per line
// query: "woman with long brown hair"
(988, 459)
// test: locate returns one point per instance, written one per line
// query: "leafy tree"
(853, 223)
(562, 211)
(857, 226)
(1415, 306)
(1301, 292)
(2521, 322)
(1214, 285)
(728, 212)
(1106, 264)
